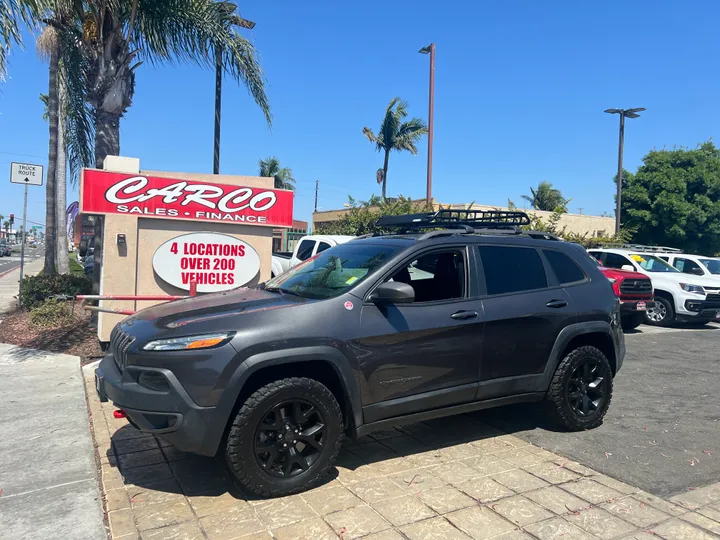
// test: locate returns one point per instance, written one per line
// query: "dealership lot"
(472, 476)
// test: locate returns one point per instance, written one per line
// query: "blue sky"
(520, 91)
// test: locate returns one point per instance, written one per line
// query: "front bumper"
(702, 309)
(169, 413)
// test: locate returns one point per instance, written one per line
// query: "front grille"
(636, 286)
(119, 344)
(713, 296)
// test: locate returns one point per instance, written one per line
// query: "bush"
(36, 289)
(51, 313)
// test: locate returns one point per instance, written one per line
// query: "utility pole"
(316, 193)
(430, 49)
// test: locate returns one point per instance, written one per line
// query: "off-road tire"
(669, 310)
(240, 452)
(557, 395)
(632, 321)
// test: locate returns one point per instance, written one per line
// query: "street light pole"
(624, 113)
(243, 23)
(430, 49)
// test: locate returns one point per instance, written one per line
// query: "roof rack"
(457, 219)
(644, 248)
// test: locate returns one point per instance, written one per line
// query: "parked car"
(696, 265)
(5, 248)
(307, 247)
(678, 296)
(635, 292)
(354, 340)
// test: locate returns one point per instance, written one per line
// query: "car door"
(425, 354)
(525, 310)
(688, 266)
(304, 251)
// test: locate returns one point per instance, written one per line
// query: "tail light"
(615, 285)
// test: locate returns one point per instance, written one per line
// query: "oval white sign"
(216, 262)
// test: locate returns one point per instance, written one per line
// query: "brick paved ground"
(454, 478)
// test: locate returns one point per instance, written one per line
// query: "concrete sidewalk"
(47, 466)
(10, 283)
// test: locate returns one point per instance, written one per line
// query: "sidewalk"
(10, 283)
(450, 479)
(48, 485)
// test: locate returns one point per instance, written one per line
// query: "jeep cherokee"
(376, 332)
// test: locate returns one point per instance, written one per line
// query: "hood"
(622, 274)
(213, 308)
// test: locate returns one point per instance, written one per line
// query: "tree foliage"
(547, 198)
(361, 217)
(674, 199)
(396, 133)
(283, 175)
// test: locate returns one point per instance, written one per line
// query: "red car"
(635, 291)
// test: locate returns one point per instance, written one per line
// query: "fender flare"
(564, 338)
(322, 353)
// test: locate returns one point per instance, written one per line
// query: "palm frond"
(369, 134)
(190, 31)
(13, 14)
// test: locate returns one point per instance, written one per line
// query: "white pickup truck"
(307, 247)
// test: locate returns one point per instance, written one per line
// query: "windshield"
(651, 263)
(332, 272)
(713, 265)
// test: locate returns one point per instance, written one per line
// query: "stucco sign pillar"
(166, 229)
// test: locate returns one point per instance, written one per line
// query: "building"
(285, 239)
(591, 226)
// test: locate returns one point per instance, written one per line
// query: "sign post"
(28, 175)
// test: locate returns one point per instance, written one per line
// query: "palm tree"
(6, 226)
(396, 134)
(283, 176)
(547, 198)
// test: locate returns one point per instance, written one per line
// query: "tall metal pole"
(431, 114)
(218, 107)
(22, 247)
(316, 193)
(619, 173)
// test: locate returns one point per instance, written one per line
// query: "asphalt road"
(12, 262)
(662, 432)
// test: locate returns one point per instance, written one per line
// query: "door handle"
(556, 303)
(464, 315)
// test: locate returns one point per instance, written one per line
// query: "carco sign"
(216, 262)
(105, 192)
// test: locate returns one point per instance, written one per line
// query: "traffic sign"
(25, 173)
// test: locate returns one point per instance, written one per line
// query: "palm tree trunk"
(50, 202)
(107, 143)
(385, 169)
(63, 262)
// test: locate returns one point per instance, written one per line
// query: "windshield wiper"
(280, 290)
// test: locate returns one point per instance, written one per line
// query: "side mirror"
(697, 271)
(627, 267)
(393, 292)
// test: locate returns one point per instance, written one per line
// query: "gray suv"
(380, 331)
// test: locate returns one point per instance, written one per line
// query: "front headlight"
(203, 341)
(697, 289)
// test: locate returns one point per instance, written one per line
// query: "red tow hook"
(119, 414)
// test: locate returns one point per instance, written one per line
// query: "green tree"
(283, 175)
(674, 199)
(396, 134)
(362, 215)
(547, 198)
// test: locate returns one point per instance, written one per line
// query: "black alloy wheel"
(586, 389)
(290, 438)
(581, 389)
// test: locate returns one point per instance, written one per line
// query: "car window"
(687, 266)
(305, 249)
(435, 276)
(512, 269)
(613, 260)
(566, 270)
(713, 265)
(664, 258)
(651, 263)
(332, 272)
(596, 255)
(322, 246)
